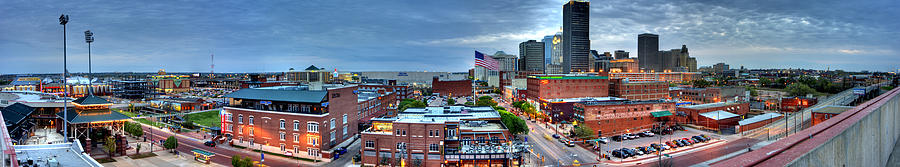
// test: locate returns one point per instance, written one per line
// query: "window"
(433, 147)
(297, 150)
(312, 152)
(251, 141)
(332, 123)
(229, 118)
(240, 118)
(311, 140)
(251, 131)
(430, 133)
(231, 127)
(296, 138)
(250, 120)
(305, 108)
(404, 132)
(281, 124)
(312, 127)
(345, 119)
(241, 139)
(332, 135)
(296, 125)
(281, 136)
(401, 145)
(241, 129)
(282, 147)
(345, 130)
(370, 144)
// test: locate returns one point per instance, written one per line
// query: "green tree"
(700, 83)
(451, 101)
(498, 108)
(247, 162)
(514, 124)
(239, 161)
(110, 146)
(469, 103)
(583, 132)
(485, 101)
(799, 89)
(171, 143)
(410, 103)
(518, 104)
(235, 160)
(188, 124)
(765, 81)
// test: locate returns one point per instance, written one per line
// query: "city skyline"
(435, 36)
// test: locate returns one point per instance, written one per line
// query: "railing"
(862, 136)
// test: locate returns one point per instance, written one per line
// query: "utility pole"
(63, 19)
(89, 38)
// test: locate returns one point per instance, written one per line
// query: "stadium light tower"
(63, 19)
(89, 38)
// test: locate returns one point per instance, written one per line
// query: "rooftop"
(718, 115)
(710, 105)
(443, 114)
(275, 94)
(596, 103)
(568, 76)
(758, 118)
(832, 109)
(66, 154)
(585, 99)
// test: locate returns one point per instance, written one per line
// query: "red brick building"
(819, 115)
(794, 104)
(707, 95)
(375, 103)
(691, 114)
(401, 91)
(560, 86)
(758, 121)
(719, 120)
(438, 136)
(457, 88)
(618, 117)
(309, 122)
(638, 90)
(671, 77)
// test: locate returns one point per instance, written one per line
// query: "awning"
(661, 114)
(199, 151)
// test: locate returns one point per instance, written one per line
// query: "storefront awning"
(201, 152)
(661, 114)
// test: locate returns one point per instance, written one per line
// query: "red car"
(688, 140)
(670, 144)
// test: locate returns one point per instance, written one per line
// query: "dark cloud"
(434, 35)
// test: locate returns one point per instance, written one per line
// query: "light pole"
(89, 38)
(63, 19)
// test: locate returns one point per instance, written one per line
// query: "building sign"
(402, 74)
(859, 91)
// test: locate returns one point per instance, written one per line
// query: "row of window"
(402, 146)
(310, 126)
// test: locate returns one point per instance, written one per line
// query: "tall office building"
(648, 47)
(678, 60)
(621, 54)
(531, 56)
(548, 50)
(555, 62)
(507, 61)
(576, 43)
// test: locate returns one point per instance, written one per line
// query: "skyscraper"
(576, 43)
(621, 54)
(531, 56)
(555, 63)
(648, 47)
(507, 61)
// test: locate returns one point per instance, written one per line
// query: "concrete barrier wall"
(862, 136)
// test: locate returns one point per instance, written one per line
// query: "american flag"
(486, 62)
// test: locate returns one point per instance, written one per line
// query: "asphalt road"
(222, 156)
(553, 151)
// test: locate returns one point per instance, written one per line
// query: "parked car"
(685, 142)
(699, 139)
(679, 143)
(670, 144)
(618, 154)
(648, 134)
(688, 140)
(555, 136)
(603, 140)
(618, 138)
(209, 143)
(570, 143)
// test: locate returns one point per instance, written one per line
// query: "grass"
(144, 155)
(208, 118)
(129, 114)
(105, 160)
(151, 123)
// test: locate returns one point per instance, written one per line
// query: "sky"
(273, 36)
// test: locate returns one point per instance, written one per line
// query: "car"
(679, 143)
(670, 144)
(603, 140)
(617, 138)
(618, 154)
(642, 134)
(705, 137)
(686, 143)
(695, 140)
(688, 140)
(555, 136)
(209, 143)
(665, 147)
(648, 134)
(570, 143)
(698, 138)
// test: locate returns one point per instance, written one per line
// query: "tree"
(700, 83)
(110, 145)
(188, 124)
(247, 162)
(235, 160)
(410, 103)
(171, 143)
(518, 104)
(583, 132)
(137, 148)
(451, 101)
(498, 108)
(514, 124)
(765, 81)
(485, 101)
(238, 161)
(799, 89)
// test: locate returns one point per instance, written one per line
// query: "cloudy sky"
(253, 36)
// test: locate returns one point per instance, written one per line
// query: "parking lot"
(646, 141)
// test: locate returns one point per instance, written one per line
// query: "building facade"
(531, 56)
(610, 118)
(691, 114)
(624, 65)
(458, 88)
(648, 47)
(576, 32)
(507, 61)
(708, 95)
(309, 122)
(561, 86)
(439, 136)
(621, 54)
(653, 90)
(671, 77)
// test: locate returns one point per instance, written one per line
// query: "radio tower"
(212, 65)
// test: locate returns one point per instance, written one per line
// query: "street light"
(89, 38)
(63, 20)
